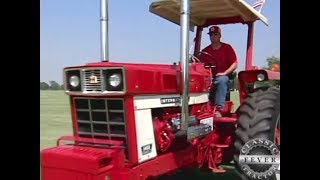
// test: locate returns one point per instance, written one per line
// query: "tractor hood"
(111, 78)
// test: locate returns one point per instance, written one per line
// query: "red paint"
(157, 78)
(160, 165)
(216, 145)
(273, 75)
(245, 77)
(74, 162)
(113, 143)
(131, 131)
(163, 134)
(250, 76)
(68, 162)
(249, 46)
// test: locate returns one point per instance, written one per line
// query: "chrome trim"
(104, 18)
(103, 85)
(184, 46)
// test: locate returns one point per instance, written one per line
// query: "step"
(225, 120)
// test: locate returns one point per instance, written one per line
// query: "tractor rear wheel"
(259, 117)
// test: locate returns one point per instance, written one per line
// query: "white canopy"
(208, 11)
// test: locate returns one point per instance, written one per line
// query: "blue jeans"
(221, 85)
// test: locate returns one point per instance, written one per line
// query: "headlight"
(74, 81)
(115, 80)
(260, 77)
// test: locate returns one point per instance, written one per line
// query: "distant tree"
(62, 87)
(44, 86)
(272, 62)
(274, 65)
(54, 85)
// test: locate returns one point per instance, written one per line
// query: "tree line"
(52, 85)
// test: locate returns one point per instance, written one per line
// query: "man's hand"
(220, 74)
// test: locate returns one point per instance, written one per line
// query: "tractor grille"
(101, 118)
(93, 81)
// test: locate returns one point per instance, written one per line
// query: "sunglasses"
(214, 34)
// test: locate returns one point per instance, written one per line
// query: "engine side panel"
(146, 145)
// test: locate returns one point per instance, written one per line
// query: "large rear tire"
(259, 117)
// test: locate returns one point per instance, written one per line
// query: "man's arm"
(231, 68)
(232, 60)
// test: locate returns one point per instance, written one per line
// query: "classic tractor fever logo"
(259, 158)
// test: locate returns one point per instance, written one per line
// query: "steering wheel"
(196, 59)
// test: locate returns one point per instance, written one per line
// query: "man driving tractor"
(223, 57)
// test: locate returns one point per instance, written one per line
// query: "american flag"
(258, 3)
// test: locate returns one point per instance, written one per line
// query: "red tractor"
(140, 121)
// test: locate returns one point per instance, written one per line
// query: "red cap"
(214, 29)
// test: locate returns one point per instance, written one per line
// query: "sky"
(70, 35)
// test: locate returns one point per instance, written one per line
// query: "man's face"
(215, 37)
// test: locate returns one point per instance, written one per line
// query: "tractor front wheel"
(259, 117)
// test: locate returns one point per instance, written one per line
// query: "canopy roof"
(208, 12)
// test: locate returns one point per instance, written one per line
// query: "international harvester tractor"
(140, 121)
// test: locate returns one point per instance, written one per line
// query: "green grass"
(55, 121)
(55, 117)
(235, 98)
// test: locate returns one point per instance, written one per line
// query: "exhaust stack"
(104, 30)
(184, 56)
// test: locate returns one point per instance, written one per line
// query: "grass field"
(55, 121)
(55, 118)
